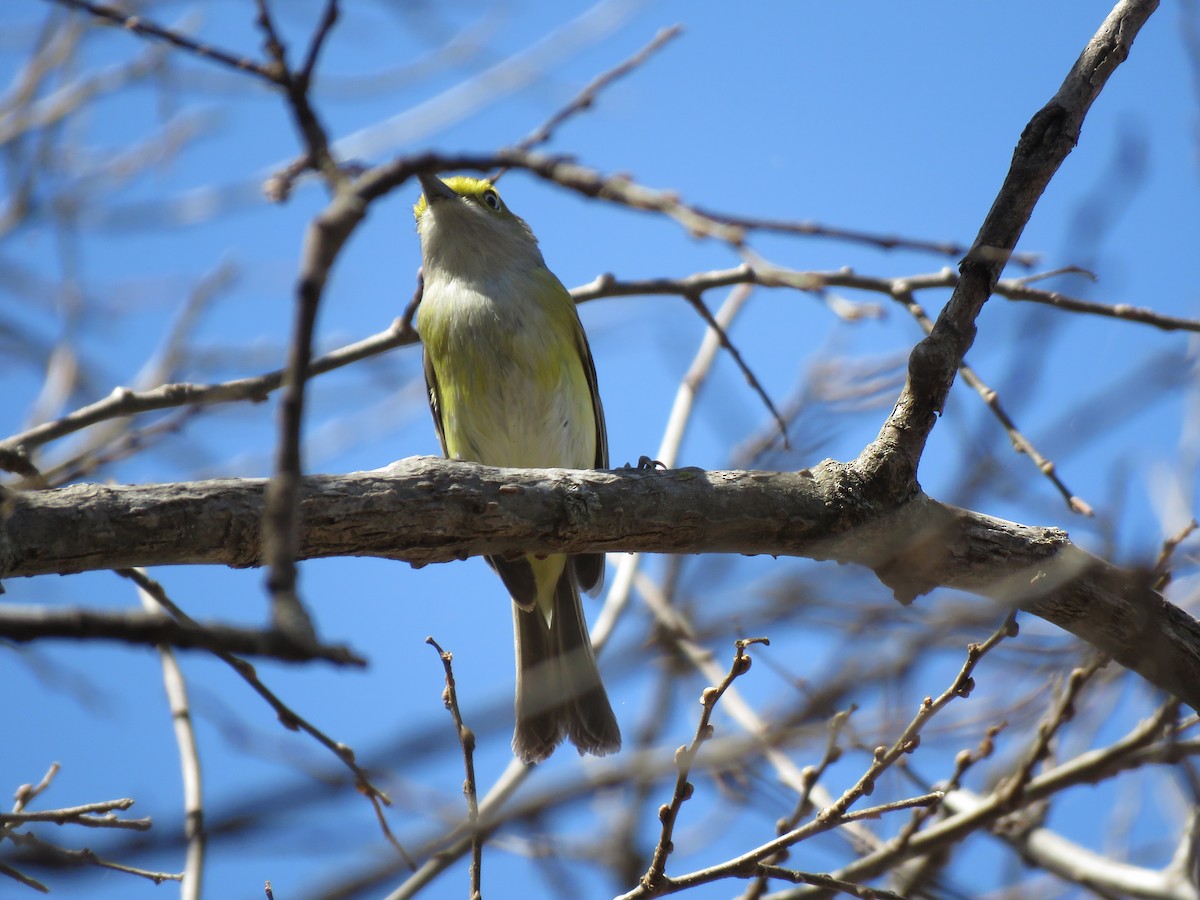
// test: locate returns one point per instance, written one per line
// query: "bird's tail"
(559, 692)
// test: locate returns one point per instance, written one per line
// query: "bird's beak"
(434, 188)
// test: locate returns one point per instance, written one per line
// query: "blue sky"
(880, 117)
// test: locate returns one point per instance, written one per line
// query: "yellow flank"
(512, 386)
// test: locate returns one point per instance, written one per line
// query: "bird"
(512, 382)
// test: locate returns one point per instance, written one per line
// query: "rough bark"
(424, 510)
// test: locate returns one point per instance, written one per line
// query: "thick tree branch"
(424, 510)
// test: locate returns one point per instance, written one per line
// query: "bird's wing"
(589, 371)
(435, 401)
(589, 567)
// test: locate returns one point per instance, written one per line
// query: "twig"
(26, 880)
(587, 97)
(655, 879)
(747, 865)
(189, 760)
(143, 26)
(322, 243)
(26, 792)
(1135, 749)
(920, 871)
(281, 518)
(287, 716)
(461, 839)
(963, 761)
(697, 373)
(770, 275)
(89, 857)
(466, 739)
(697, 303)
(91, 815)
(765, 870)
(1099, 874)
(1161, 570)
(1020, 442)
(19, 623)
(404, 324)
(1054, 273)
(317, 42)
(297, 84)
(1058, 715)
(811, 775)
(624, 191)
(124, 443)
(1014, 289)
(617, 599)
(737, 708)
(124, 402)
(910, 738)
(838, 812)
(881, 241)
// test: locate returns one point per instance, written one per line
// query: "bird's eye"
(492, 199)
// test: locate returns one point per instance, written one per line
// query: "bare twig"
(461, 839)
(124, 402)
(287, 716)
(297, 84)
(1162, 570)
(317, 42)
(697, 303)
(654, 879)
(141, 25)
(91, 815)
(908, 741)
(189, 760)
(748, 865)
(322, 243)
(24, 879)
(466, 739)
(88, 857)
(766, 870)
(1014, 289)
(622, 190)
(39, 623)
(1058, 715)
(837, 813)
(919, 871)
(811, 775)
(1020, 442)
(587, 97)
(617, 599)
(27, 792)
(1137, 748)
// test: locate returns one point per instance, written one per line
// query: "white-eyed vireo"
(512, 383)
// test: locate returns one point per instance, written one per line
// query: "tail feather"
(559, 691)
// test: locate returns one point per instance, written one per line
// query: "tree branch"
(30, 623)
(1050, 135)
(424, 510)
